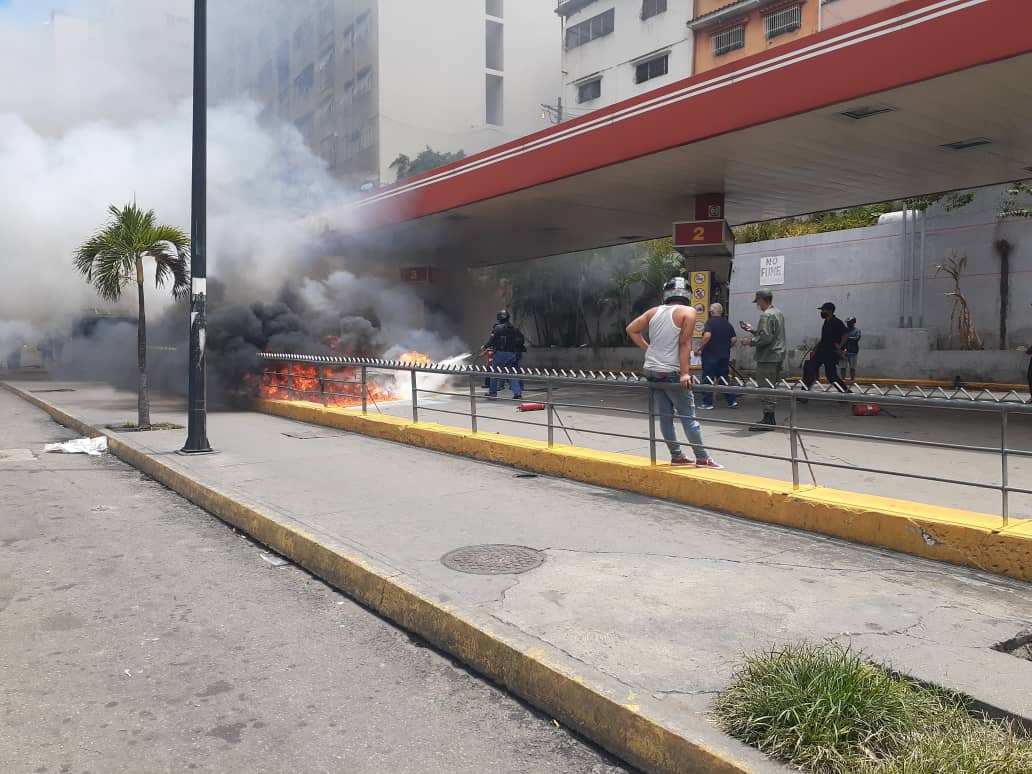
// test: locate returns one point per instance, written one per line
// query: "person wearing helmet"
(668, 351)
(852, 346)
(506, 345)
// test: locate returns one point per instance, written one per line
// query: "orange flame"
(340, 387)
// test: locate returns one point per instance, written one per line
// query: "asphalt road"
(139, 634)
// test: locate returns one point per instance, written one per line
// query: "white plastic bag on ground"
(92, 446)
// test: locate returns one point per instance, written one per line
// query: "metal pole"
(322, 387)
(365, 391)
(652, 425)
(793, 434)
(290, 381)
(550, 416)
(1003, 457)
(415, 399)
(472, 403)
(903, 273)
(921, 272)
(197, 411)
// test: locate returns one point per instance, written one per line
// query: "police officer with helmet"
(507, 344)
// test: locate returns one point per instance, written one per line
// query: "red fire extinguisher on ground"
(866, 410)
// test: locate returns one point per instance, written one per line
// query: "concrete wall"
(755, 37)
(861, 270)
(838, 11)
(614, 56)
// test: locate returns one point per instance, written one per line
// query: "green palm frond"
(108, 259)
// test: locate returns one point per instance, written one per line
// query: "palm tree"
(113, 257)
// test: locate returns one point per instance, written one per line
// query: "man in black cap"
(828, 350)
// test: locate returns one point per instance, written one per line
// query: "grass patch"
(132, 427)
(827, 710)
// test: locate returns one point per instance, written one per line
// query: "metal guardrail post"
(550, 415)
(290, 381)
(472, 403)
(793, 434)
(415, 399)
(652, 425)
(322, 387)
(365, 390)
(1005, 504)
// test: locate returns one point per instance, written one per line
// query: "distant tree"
(659, 263)
(113, 258)
(406, 167)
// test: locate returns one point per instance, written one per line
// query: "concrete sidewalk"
(641, 600)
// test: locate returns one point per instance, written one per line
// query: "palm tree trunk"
(142, 397)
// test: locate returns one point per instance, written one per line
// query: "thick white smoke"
(100, 114)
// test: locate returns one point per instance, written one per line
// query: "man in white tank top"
(668, 352)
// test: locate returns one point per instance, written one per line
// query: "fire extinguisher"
(867, 410)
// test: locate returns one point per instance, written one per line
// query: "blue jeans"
(715, 369)
(669, 401)
(506, 360)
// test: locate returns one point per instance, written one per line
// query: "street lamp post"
(197, 432)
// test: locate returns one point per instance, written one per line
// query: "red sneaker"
(681, 461)
(709, 463)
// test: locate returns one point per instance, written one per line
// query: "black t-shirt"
(721, 332)
(831, 336)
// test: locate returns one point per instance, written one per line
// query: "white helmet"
(677, 289)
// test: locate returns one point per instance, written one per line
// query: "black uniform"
(826, 354)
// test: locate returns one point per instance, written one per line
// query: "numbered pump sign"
(704, 238)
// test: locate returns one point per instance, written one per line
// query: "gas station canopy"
(930, 95)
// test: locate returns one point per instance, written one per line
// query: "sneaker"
(517, 397)
(681, 461)
(733, 405)
(704, 407)
(709, 463)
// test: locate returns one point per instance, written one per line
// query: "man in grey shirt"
(769, 341)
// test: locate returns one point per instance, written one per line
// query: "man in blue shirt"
(718, 337)
(852, 346)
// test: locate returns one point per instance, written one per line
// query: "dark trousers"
(812, 371)
(716, 370)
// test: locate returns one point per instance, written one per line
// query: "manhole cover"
(493, 559)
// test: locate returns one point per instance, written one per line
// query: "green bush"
(825, 709)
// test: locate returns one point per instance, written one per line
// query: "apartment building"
(728, 31)
(367, 80)
(616, 49)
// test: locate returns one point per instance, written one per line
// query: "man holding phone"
(768, 337)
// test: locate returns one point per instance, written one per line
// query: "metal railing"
(318, 378)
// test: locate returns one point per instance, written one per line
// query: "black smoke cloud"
(362, 316)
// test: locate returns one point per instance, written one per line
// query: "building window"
(729, 40)
(495, 100)
(283, 63)
(589, 91)
(495, 8)
(324, 114)
(368, 137)
(590, 29)
(326, 19)
(363, 25)
(303, 35)
(364, 81)
(653, 68)
(783, 22)
(495, 45)
(650, 8)
(304, 82)
(327, 70)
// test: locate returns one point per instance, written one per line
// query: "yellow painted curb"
(946, 534)
(616, 725)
